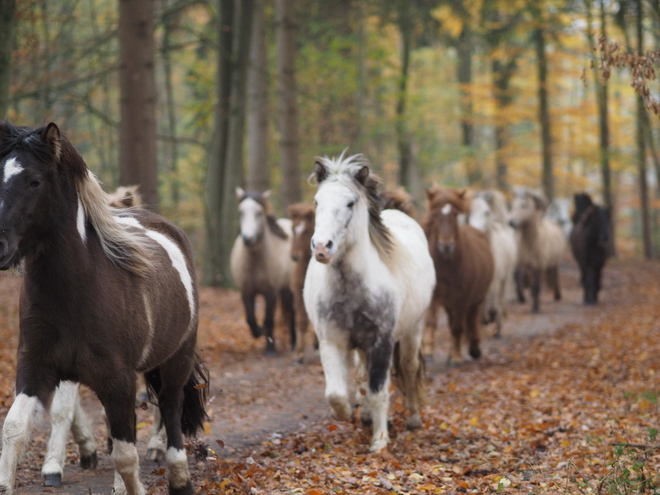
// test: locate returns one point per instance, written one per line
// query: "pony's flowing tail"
(195, 394)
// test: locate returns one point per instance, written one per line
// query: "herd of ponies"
(109, 293)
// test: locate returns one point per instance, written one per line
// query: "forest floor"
(565, 402)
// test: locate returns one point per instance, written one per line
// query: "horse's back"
(552, 243)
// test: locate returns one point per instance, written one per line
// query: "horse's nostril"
(329, 245)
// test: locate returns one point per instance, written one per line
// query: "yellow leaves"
(451, 23)
(474, 421)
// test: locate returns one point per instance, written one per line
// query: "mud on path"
(255, 401)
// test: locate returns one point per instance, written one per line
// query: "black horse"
(591, 243)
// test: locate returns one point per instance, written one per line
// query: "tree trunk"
(403, 136)
(544, 115)
(225, 165)
(641, 148)
(464, 74)
(137, 86)
(361, 97)
(288, 106)
(502, 74)
(173, 152)
(603, 103)
(7, 9)
(257, 105)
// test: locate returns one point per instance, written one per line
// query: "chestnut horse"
(464, 269)
(303, 222)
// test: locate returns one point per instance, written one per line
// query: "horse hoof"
(54, 479)
(185, 490)
(270, 352)
(341, 409)
(156, 455)
(378, 445)
(89, 461)
(414, 422)
(475, 353)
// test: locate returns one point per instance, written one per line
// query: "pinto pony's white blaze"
(367, 289)
(12, 168)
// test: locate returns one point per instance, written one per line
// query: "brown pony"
(303, 218)
(463, 266)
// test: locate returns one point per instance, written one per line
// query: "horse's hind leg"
(362, 380)
(411, 370)
(456, 324)
(249, 299)
(158, 440)
(519, 279)
(535, 275)
(379, 364)
(62, 411)
(302, 326)
(289, 312)
(472, 330)
(553, 279)
(81, 428)
(428, 339)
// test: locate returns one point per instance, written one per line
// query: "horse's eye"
(351, 204)
(35, 183)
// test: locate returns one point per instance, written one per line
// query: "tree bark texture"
(544, 115)
(464, 73)
(258, 172)
(288, 106)
(403, 136)
(173, 148)
(225, 166)
(641, 150)
(502, 73)
(137, 86)
(7, 10)
(603, 104)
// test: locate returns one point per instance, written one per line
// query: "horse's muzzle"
(446, 248)
(322, 251)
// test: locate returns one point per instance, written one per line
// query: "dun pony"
(367, 289)
(104, 296)
(261, 264)
(464, 270)
(541, 244)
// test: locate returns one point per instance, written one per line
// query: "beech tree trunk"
(7, 10)
(544, 115)
(464, 73)
(403, 136)
(137, 130)
(258, 172)
(502, 73)
(288, 106)
(225, 166)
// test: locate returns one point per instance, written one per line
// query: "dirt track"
(256, 399)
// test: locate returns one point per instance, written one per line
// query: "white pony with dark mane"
(367, 289)
(484, 216)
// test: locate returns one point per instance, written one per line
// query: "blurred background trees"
(472, 93)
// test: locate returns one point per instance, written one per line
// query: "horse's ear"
(362, 175)
(53, 137)
(320, 172)
(240, 194)
(430, 193)
(461, 194)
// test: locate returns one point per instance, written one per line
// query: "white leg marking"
(174, 252)
(334, 359)
(80, 222)
(177, 466)
(378, 404)
(82, 431)
(62, 411)
(125, 457)
(15, 433)
(12, 167)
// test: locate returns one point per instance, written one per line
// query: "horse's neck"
(530, 230)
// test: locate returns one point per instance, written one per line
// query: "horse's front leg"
(553, 276)
(456, 322)
(119, 406)
(22, 415)
(289, 313)
(535, 275)
(362, 379)
(412, 376)
(249, 299)
(519, 280)
(66, 414)
(302, 325)
(379, 364)
(334, 350)
(472, 331)
(428, 340)
(269, 321)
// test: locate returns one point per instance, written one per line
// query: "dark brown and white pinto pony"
(464, 270)
(591, 243)
(106, 294)
(303, 223)
(261, 264)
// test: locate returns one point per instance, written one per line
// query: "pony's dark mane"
(398, 199)
(354, 172)
(271, 220)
